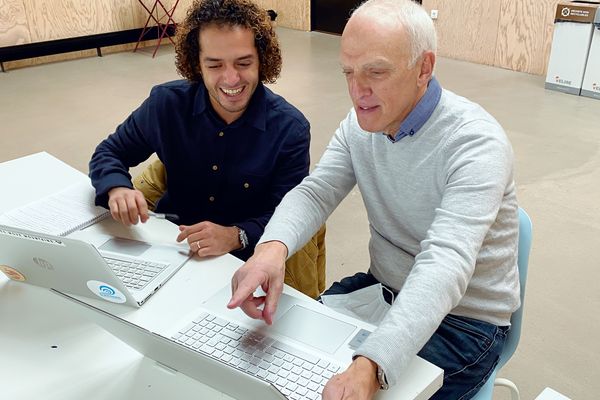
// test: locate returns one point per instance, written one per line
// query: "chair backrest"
(514, 334)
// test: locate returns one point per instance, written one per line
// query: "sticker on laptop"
(106, 291)
(12, 273)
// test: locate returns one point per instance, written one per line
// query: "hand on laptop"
(266, 268)
(127, 206)
(359, 382)
(209, 239)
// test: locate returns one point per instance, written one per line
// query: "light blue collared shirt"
(421, 113)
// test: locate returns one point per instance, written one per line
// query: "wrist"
(370, 369)
(273, 248)
(242, 238)
(235, 238)
(115, 189)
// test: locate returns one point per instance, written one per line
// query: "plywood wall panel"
(514, 34)
(138, 13)
(61, 19)
(293, 14)
(13, 23)
(181, 10)
(467, 29)
(525, 35)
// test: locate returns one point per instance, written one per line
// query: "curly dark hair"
(226, 12)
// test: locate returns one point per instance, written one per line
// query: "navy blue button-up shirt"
(232, 174)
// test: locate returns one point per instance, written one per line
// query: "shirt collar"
(255, 115)
(421, 113)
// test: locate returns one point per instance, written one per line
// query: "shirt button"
(214, 167)
(221, 134)
(211, 198)
(246, 185)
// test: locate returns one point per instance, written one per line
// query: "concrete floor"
(67, 108)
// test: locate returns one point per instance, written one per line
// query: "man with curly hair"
(231, 148)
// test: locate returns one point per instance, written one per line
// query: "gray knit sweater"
(443, 219)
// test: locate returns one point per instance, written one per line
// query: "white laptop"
(116, 270)
(246, 359)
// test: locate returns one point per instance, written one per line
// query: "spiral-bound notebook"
(58, 214)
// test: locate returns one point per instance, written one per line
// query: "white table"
(47, 351)
(551, 394)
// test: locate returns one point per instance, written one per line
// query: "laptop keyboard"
(296, 374)
(135, 274)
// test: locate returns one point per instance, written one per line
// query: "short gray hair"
(412, 17)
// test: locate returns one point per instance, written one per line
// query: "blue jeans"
(465, 348)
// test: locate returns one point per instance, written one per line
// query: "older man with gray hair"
(436, 175)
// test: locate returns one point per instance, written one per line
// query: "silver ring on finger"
(198, 245)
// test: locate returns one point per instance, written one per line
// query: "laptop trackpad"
(128, 247)
(313, 328)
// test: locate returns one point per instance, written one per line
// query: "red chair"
(161, 27)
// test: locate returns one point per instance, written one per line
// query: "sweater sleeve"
(474, 172)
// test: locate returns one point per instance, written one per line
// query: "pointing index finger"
(242, 291)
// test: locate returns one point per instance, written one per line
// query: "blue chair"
(512, 338)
